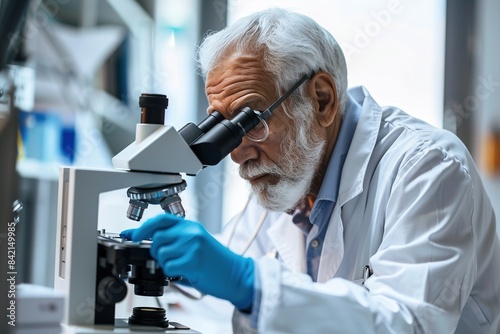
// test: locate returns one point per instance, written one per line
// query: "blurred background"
(74, 71)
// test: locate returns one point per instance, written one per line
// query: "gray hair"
(293, 44)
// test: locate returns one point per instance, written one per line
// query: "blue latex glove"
(185, 248)
(127, 234)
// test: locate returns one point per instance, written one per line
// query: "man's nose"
(244, 152)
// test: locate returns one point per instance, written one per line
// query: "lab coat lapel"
(333, 247)
(362, 145)
(288, 241)
(351, 183)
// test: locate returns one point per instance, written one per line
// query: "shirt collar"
(331, 182)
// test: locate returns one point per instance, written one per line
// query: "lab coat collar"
(363, 142)
(289, 241)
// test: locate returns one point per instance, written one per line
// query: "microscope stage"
(122, 326)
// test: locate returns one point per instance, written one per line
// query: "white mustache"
(251, 170)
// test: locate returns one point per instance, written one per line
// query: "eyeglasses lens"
(260, 132)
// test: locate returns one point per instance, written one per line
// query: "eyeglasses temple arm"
(265, 114)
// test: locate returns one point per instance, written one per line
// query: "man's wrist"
(247, 287)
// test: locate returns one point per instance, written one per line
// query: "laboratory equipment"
(91, 265)
(39, 310)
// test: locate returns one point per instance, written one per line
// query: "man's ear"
(323, 92)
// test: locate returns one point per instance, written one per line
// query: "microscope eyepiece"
(153, 108)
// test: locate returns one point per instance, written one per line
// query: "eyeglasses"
(261, 131)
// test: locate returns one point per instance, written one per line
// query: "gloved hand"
(127, 234)
(185, 248)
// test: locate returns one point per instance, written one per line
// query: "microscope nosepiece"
(166, 195)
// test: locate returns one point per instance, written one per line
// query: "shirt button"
(315, 243)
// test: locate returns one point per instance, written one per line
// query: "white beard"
(295, 170)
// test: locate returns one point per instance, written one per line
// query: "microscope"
(92, 266)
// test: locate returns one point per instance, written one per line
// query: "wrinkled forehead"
(245, 70)
(237, 81)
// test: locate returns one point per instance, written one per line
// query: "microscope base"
(121, 326)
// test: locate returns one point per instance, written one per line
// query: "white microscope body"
(156, 159)
(89, 266)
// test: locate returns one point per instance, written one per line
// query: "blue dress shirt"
(327, 197)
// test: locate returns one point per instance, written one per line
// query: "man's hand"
(185, 248)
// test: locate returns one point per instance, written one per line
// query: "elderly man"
(379, 222)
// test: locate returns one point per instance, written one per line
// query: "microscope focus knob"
(111, 290)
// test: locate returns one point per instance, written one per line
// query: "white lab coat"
(411, 205)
